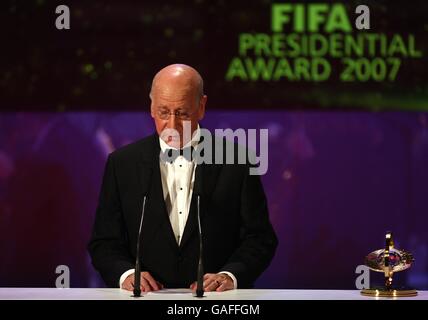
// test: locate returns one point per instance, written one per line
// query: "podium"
(186, 294)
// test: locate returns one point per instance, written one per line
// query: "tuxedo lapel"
(209, 175)
(156, 216)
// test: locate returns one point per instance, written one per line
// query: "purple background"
(336, 183)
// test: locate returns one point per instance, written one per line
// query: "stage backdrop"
(336, 182)
(252, 54)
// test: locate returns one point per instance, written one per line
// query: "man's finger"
(207, 283)
(150, 280)
(226, 285)
(127, 285)
(212, 285)
(145, 286)
(208, 278)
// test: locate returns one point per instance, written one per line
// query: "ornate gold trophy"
(388, 261)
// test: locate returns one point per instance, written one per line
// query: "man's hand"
(148, 283)
(215, 282)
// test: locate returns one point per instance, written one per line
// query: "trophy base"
(382, 292)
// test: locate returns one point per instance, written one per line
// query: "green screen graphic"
(308, 41)
(253, 55)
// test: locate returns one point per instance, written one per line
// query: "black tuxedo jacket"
(237, 234)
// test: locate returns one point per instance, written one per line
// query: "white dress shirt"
(178, 179)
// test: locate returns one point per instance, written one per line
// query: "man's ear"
(152, 110)
(202, 103)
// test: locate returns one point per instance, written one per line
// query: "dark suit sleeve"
(107, 247)
(258, 239)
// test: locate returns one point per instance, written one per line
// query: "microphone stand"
(200, 280)
(137, 274)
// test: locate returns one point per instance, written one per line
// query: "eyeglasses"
(165, 114)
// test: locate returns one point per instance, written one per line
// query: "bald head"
(178, 79)
(177, 100)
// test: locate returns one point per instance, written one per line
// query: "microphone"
(200, 275)
(137, 273)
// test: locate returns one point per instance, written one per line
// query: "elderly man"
(239, 241)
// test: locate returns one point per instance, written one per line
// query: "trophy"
(388, 261)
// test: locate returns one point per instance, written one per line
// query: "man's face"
(170, 108)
